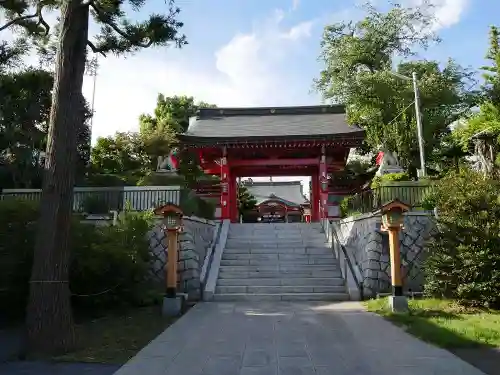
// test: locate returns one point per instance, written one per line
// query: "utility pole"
(418, 116)
(93, 72)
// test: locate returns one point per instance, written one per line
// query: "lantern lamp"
(172, 216)
(392, 214)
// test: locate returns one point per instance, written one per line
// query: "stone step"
(278, 289)
(285, 281)
(230, 297)
(278, 267)
(277, 256)
(278, 274)
(279, 250)
(274, 262)
(278, 243)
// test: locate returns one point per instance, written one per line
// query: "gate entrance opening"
(281, 141)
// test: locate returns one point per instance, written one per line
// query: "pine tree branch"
(37, 14)
(94, 48)
(120, 32)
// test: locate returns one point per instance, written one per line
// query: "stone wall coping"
(351, 219)
(217, 257)
(199, 220)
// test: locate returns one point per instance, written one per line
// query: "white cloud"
(247, 71)
(447, 12)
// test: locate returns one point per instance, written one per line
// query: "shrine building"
(275, 141)
(277, 201)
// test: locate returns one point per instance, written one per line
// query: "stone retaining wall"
(194, 241)
(369, 247)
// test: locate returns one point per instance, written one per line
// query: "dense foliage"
(26, 94)
(109, 263)
(131, 156)
(463, 259)
(359, 59)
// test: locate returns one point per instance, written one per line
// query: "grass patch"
(444, 323)
(116, 338)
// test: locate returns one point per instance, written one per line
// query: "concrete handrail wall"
(209, 255)
(213, 271)
(349, 271)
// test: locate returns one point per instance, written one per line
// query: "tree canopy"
(359, 60)
(49, 319)
(134, 155)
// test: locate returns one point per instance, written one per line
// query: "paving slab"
(287, 338)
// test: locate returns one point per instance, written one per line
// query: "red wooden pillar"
(314, 197)
(225, 179)
(323, 185)
(233, 199)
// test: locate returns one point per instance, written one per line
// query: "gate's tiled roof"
(312, 122)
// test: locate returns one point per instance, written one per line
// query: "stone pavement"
(285, 338)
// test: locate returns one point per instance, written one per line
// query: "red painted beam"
(272, 162)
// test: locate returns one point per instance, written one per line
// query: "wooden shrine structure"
(275, 141)
(277, 201)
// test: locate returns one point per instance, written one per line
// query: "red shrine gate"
(283, 141)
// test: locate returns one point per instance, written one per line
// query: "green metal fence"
(411, 193)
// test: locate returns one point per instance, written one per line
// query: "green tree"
(491, 74)
(246, 201)
(359, 58)
(25, 107)
(158, 131)
(49, 319)
(483, 128)
(122, 155)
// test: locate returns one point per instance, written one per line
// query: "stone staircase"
(282, 261)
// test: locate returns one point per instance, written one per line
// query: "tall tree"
(171, 117)
(246, 201)
(49, 318)
(25, 111)
(483, 128)
(359, 58)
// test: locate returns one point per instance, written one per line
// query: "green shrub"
(95, 204)
(463, 259)
(116, 260)
(17, 236)
(192, 205)
(344, 206)
(389, 177)
(109, 265)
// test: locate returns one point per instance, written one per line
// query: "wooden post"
(171, 266)
(397, 285)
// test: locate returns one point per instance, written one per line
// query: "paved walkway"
(271, 338)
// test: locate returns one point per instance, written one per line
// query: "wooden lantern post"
(392, 222)
(172, 221)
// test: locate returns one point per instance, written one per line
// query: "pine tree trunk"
(49, 321)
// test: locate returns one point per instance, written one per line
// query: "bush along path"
(115, 312)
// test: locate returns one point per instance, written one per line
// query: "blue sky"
(259, 53)
(249, 53)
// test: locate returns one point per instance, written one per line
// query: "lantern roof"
(394, 204)
(168, 208)
(216, 125)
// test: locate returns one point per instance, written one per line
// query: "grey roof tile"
(248, 123)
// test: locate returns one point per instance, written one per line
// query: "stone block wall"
(194, 241)
(369, 247)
